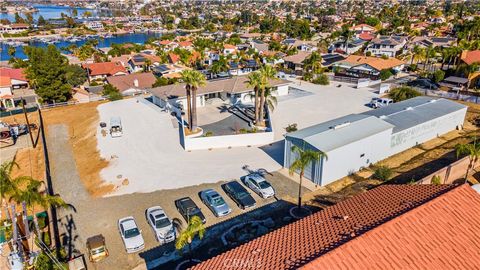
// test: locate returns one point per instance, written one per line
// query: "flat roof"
(341, 131)
(415, 111)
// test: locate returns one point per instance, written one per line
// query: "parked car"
(239, 194)
(188, 209)
(215, 202)
(97, 250)
(131, 236)
(259, 185)
(424, 84)
(380, 102)
(161, 225)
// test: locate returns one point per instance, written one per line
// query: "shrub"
(208, 134)
(413, 67)
(291, 128)
(385, 74)
(383, 173)
(384, 56)
(243, 131)
(253, 130)
(369, 53)
(403, 93)
(436, 180)
(112, 92)
(322, 79)
(438, 76)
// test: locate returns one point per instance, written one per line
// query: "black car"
(239, 194)
(424, 84)
(188, 209)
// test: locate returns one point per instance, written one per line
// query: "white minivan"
(115, 127)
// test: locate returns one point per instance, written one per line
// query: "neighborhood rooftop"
(395, 226)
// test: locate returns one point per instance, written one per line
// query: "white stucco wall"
(419, 134)
(226, 141)
(348, 158)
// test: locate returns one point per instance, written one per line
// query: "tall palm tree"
(267, 72)
(473, 152)
(304, 158)
(255, 80)
(193, 80)
(9, 186)
(347, 35)
(195, 227)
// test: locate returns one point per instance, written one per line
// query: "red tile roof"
(470, 57)
(122, 83)
(5, 81)
(389, 227)
(104, 68)
(185, 44)
(173, 58)
(440, 234)
(366, 36)
(13, 73)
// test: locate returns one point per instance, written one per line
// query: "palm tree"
(220, 66)
(10, 186)
(195, 227)
(473, 152)
(304, 158)
(267, 72)
(193, 80)
(347, 35)
(255, 80)
(469, 70)
(313, 63)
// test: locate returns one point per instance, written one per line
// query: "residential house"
(295, 62)
(366, 66)
(340, 46)
(169, 70)
(390, 46)
(301, 45)
(272, 57)
(17, 76)
(13, 28)
(143, 61)
(14, 88)
(210, 57)
(388, 227)
(471, 58)
(186, 45)
(6, 95)
(229, 49)
(168, 45)
(363, 28)
(132, 84)
(100, 71)
(259, 46)
(442, 42)
(94, 25)
(233, 90)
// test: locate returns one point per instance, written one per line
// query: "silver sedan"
(215, 202)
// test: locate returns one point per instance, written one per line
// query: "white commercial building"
(359, 140)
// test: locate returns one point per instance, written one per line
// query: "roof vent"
(433, 101)
(342, 125)
(408, 109)
(383, 116)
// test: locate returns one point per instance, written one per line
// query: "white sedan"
(259, 185)
(161, 225)
(131, 235)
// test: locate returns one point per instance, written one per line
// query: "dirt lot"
(81, 120)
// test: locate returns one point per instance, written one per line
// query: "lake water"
(139, 38)
(49, 12)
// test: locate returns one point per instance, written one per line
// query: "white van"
(115, 127)
(380, 102)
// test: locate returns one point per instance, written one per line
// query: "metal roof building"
(359, 140)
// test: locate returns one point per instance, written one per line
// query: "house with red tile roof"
(12, 79)
(100, 71)
(173, 58)
(17, 76)
(471, 58)
(389, 227)
(363, 28)
(229, 49)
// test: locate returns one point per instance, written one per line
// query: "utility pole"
(53, 210)
(28, 124)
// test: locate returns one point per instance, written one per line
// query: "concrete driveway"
(149, 155)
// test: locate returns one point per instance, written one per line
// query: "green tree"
(304, 157)
(185, 238)
(438, 75)
(256, 82)
(41, 20)
(46, 71)
(383, 173)
(403, 93)
(9, 186)
(267, 73)
(75, 75)
(220, 66)
(193, 80)
(18, 18)
(111, 92)
(385, 74)
(472, 150)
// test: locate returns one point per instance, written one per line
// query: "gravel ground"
(92, 216)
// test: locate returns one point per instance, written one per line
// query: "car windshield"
(161, 223)
(217, 201)
(264, 184)
(131, 233)
(192, 210)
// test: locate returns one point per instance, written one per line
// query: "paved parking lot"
(91, 216)
(149, 156)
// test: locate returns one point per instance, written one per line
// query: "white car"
(259, 185)
(161, 225)
(131, 235)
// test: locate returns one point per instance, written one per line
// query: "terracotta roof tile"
(470, 57)
(375, 62)
(105, 68)
(389, 227)
(13, 73)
